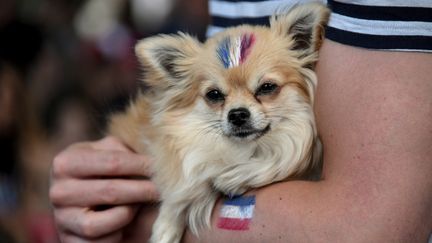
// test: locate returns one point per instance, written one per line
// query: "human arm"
(96, 188)
(373, 111)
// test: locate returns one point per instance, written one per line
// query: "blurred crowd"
(65, 65)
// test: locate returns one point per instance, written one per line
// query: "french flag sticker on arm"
(236, 213)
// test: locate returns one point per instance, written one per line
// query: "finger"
(71, 238)
(91, 224)
(88, 162)
(106, 143)
(87, 193)
(110, 143)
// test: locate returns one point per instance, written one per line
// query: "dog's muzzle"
(241, 125)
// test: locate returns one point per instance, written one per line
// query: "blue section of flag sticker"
(240, 201)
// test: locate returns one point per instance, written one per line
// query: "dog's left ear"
(304, 25)
(167, 59)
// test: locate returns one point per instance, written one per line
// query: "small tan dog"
(225, 116)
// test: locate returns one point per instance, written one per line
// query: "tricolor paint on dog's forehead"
(233, 51)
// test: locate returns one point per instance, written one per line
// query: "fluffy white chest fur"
(225, 116)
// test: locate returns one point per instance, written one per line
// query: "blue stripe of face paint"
(240, 201)
(223, 52)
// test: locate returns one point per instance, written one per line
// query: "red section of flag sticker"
(233, 224)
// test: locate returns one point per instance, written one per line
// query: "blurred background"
(65, 65)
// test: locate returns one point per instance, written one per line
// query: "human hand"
(96, 188)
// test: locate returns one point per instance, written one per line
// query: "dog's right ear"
(167, 59)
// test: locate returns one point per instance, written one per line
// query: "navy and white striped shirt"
(376, 24)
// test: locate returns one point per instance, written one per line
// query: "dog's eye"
(266, 89)
(215, 95)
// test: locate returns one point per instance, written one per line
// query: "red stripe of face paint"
(247, 42)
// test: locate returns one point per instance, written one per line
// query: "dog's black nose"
(239, 116)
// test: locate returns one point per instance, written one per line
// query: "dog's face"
(252, 80)
(240, 84)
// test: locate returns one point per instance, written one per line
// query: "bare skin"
(373, 110)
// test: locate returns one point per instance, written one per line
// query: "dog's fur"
(198, 153)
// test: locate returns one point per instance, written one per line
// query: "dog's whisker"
(212, 127)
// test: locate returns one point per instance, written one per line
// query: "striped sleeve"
(229, 13)
(387, 25)
(375, 24)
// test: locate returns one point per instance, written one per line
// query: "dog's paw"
(164, 238)
(165, 231)
(166, 235)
